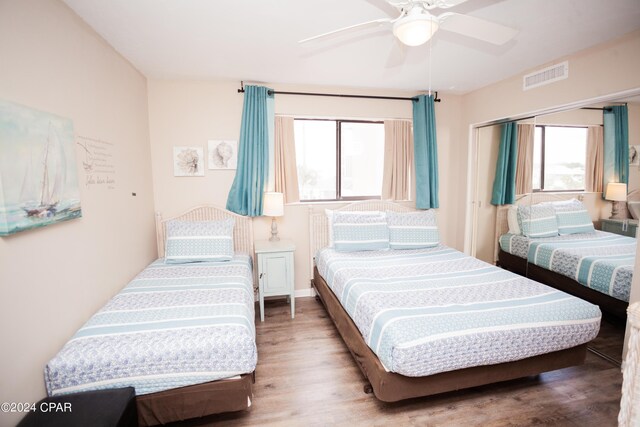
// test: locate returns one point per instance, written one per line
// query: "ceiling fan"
(416, 25)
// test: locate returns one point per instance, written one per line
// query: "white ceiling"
(256, 40)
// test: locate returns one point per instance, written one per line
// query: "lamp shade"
(273, 204)
(616, 192)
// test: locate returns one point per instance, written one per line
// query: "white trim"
(305, 293)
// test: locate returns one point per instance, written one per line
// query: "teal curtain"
(425, 150)
(249, 184)
(504, 183)
(616, 145)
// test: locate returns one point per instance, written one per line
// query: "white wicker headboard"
(242, 231)
(319, 226)
(502, 226)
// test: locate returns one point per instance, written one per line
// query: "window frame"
(542, 159)
(339, 197)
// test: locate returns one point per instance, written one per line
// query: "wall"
(191, 112)
(53, 279)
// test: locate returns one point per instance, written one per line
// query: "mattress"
(173, 325)
(600, 261)
(428, 311)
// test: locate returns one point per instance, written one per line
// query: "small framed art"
(223, 154)
(188, 161)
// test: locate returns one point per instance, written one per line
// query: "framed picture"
(38, 172)
(188, 161)
(223, 154)
(634, 155)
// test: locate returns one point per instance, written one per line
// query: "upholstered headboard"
(319, 226)
(502, 226)
(242, 231)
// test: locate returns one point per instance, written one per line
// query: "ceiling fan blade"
(477, 28)
(385, 6)
(351, 27)
(397, 54)
(443, 4)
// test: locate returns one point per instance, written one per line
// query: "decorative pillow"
(360, 232)
(412, 230)
(573, 218)
(634, 209)
(538, 221)
(512, 220)
(329, 214)
(197, 241)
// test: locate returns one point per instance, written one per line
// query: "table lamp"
(273, 207)
(616, 192)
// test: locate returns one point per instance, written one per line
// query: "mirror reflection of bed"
(490, 222)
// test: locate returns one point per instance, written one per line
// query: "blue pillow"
(199, 241)
(413, 230)
(363, 232)
(538, 221)
(573, 218)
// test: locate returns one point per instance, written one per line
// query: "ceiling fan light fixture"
(415, 28)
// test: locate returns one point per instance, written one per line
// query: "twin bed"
(418, 322)
(182, 334)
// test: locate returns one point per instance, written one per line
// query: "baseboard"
(302, 293)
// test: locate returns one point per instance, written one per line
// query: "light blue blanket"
(434, 310)
(600, 261)
(173, 325)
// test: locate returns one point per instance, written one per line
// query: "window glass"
(561, 152)
(565, 155)
(361, 158)
(316, 158)
(360, 146)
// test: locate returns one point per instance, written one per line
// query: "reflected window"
(559, 156)
(339, 159)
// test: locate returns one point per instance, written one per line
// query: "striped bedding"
(173, 325)
(600, 261)
(433, 310)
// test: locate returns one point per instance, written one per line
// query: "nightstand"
(275, 271)
(625, 227)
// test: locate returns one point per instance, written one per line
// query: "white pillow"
(512, 220)
(329, 213)
(634, 209)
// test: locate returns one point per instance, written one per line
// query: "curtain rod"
(338, 95)
(596, 108)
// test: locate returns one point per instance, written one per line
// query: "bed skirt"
(195, 401)
(392, 387)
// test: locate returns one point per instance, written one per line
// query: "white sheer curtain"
(524, 162)
(398, 160)
(594, 166)
(286, 173)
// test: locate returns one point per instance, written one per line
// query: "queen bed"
(595, 266)
(429, 320)
(181, 332)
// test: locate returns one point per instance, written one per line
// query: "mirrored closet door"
(563, 165)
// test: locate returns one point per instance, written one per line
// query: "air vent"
(546, 76)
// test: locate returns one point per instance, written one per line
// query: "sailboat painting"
(38, 172)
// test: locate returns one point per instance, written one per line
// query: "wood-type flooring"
(307, 377)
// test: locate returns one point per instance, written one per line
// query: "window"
(559, 156)
(339, 159)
